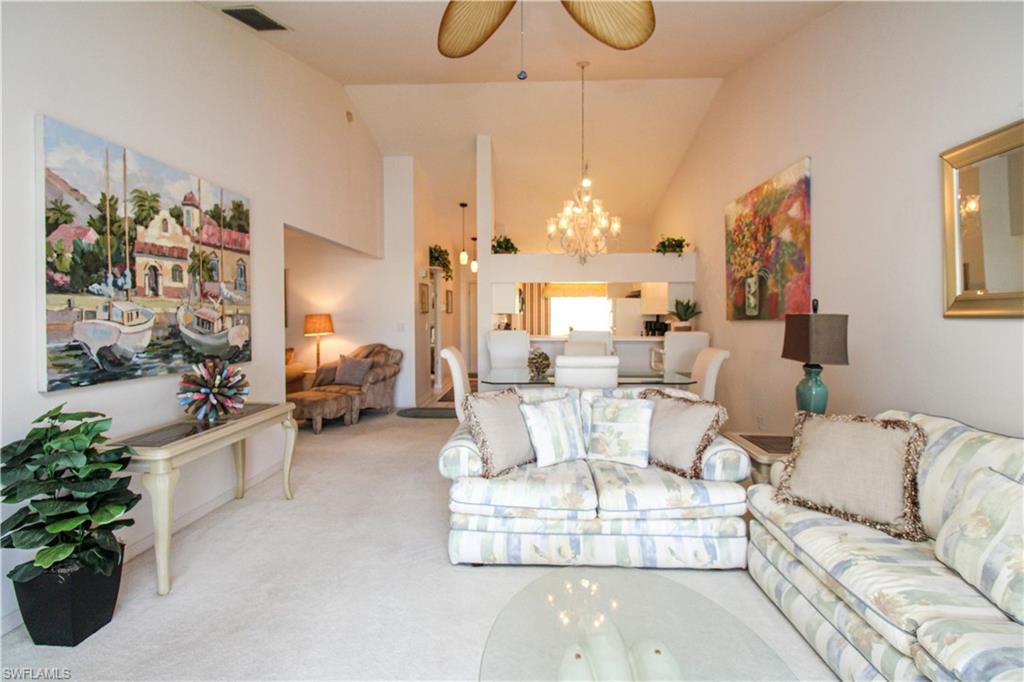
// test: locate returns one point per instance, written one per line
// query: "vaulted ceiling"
(637, 132)
(643, 106)
(360, 43)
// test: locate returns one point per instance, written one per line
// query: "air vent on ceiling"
(254, 18)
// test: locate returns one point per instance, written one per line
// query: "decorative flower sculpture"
(212, 390)
(538, 362)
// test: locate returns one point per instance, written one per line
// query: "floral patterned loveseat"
(875, 607)
(596, 513)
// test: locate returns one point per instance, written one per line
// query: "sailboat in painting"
(120, 330)
(208, 329)
(203, 329)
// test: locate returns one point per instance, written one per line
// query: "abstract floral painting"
(147, 266)
(768, 248)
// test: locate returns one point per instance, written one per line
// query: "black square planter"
(64, 609)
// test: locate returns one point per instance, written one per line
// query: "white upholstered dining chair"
(584, 348)
(682, 348)
(705, 371)
(508, 349)
(587, 336)
(460, 377)
(587, 371)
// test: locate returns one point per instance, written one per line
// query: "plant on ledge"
(503, 244)
(686, 310)
(74, 505)
(671, 245)
(439, 258)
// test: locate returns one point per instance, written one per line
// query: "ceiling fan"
(622, 24)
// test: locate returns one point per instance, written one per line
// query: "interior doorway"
(436, 329)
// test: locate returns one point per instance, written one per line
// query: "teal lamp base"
(811, 392)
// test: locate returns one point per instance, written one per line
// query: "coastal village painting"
(148, 268)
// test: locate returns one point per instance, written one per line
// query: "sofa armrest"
(379, 374)
(775, 473)
(725, 461)
(460, 456)
(375, 375)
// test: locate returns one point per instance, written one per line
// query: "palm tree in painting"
(216, 214)
(238, 219)
(58, 213)
(178, 214)
(200, 268)
(98, 222)
(145, 206)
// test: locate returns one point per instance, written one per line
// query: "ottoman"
(317, 406)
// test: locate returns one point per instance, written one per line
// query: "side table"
(764, 449)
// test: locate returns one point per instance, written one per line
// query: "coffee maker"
(655, 327)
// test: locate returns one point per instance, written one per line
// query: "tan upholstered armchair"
(378, 388)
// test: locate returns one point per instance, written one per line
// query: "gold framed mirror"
(983, 182)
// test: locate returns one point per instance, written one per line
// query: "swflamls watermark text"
(36, 674)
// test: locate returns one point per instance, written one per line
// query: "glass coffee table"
(621, 624)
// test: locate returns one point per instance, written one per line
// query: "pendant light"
(474, 266)
(463, 255)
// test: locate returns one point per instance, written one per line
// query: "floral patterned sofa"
(596, 513)
(875, 607)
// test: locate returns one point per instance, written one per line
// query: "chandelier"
(583, 228)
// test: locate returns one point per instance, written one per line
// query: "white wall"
(218, 103)
(374, 299)
(326, 277)
(872, 92)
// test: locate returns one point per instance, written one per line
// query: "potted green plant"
(685, 311)
(71, 503)
(503, 244)
(668, 245)
(439, 258)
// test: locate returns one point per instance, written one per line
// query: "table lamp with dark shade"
(815, 340)
(318, 324)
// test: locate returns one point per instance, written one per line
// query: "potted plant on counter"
(71, 503)
(669, 245)
(503, 244)
(685, 311)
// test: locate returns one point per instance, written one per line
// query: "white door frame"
(438, 302)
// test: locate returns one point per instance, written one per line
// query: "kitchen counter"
(615, 339)
(634, 352)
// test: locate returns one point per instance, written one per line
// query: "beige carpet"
(350, 580)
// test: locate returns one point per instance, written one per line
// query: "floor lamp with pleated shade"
(318, 324)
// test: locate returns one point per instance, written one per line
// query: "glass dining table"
(521, 376)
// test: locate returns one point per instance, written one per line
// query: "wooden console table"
(160, 452)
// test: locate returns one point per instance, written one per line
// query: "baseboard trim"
(144, 544)
(12, 619)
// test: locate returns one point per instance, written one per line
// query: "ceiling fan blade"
(622, 24)
(467, 24)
